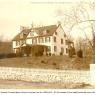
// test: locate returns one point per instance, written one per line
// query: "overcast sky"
(16, 13)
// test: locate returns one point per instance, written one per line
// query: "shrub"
(53, 54)
(49, 54)
(61, 53)
(54, 63)
(80, 53)
(42, 61)
(11, 55)
(2, 55)
(19, 55)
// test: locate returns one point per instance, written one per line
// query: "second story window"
(55, 48)
(49, 48)
(64, 35)
(17, 43)
(66, 42)
(47, 39)
(54, 39)
(66, 50)
(41, 40)
(55, 33)
(34, 40)
(62, 50)
(22, 42)
(61, 41)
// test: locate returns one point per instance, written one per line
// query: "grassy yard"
(48, 62)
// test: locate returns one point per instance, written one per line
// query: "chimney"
(58, 23)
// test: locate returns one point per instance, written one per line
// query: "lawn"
(48, 62)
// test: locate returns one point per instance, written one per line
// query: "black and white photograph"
(47, 44)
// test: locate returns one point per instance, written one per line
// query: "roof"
(39, 30)
(25, 32)
(49, 29)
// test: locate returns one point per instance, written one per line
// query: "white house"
(52, 38)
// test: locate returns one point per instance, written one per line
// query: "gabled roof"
(39, 30)
(49, 29)
(25, 33)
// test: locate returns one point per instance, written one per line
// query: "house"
(50, 40)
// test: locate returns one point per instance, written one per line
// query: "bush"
(19, 55)
(61, 53)
(49, 54)
(54, 63)
(2, 56)
(11, 55)
(53, 54)
(80, 53)
(42, 61)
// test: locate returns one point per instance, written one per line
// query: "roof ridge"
(43, 26)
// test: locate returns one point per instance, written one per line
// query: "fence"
(43, 75)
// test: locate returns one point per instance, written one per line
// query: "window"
(55, 33)
(47, 31)
(47, 39)
(64, 35)
(34, 40)
(54, 39)
(49, 48)
(32, 33)
(62, 50)
(66, 50)
(61, 41)
(24, 34)
(17, 43)
(21, 35)
(55, 48)
(41, 40)
(22, 42)
(66, 42)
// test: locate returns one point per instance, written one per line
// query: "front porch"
(33, 50)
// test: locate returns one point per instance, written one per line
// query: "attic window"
(21, 35)
(47, 31)
(32, 33)
(64, 35)
(25, 33)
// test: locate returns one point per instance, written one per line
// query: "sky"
(16, 13)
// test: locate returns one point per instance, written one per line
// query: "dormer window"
(47, 31)
(24, 34)
(21, 35)
(32, 33)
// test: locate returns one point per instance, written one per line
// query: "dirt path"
(10, 84)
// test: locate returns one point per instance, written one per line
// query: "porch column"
(45, 52)
(14, 50)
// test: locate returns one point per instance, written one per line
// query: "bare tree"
(81, 13)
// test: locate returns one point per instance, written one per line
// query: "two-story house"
(47, 39)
